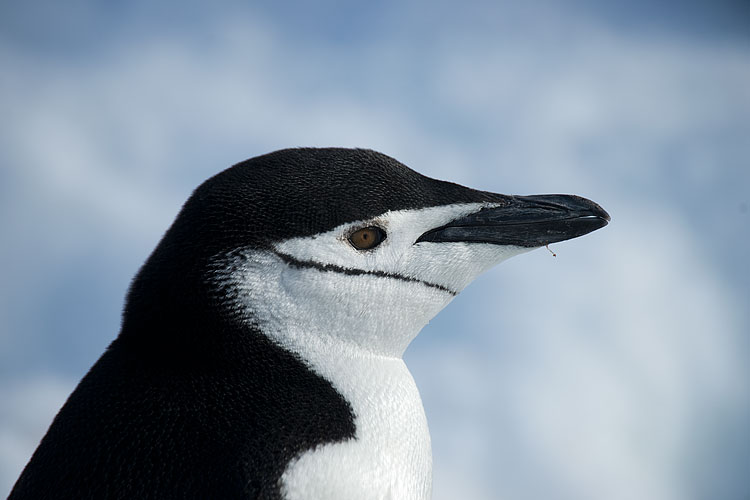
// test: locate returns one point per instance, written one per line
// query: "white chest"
(390, 458)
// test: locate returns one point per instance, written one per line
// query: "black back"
(189, 402)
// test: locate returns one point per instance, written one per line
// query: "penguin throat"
(318, 310)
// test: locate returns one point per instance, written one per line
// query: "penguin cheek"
(378, 314)
(455, 265)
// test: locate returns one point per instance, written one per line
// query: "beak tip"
(600, 212)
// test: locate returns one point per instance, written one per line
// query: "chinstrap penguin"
(261, 342)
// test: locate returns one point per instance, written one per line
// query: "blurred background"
(619, 369)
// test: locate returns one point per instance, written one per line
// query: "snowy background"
(618, 370)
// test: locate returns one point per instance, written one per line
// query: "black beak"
(525, 221)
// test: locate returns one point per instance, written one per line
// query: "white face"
(320, 294)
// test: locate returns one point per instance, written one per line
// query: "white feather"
(352, 329)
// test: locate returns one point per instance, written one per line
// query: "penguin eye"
(367, 238)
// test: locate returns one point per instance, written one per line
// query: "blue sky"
(618, 369)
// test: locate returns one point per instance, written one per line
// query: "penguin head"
(337, 249)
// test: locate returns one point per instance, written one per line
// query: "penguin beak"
(525, 221)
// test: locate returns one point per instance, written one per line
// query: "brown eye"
(367, 238)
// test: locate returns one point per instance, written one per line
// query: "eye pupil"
(367, 238)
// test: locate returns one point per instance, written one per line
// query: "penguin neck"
(355, 343)
(390, 451)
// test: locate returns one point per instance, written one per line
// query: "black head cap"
(300, 192)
